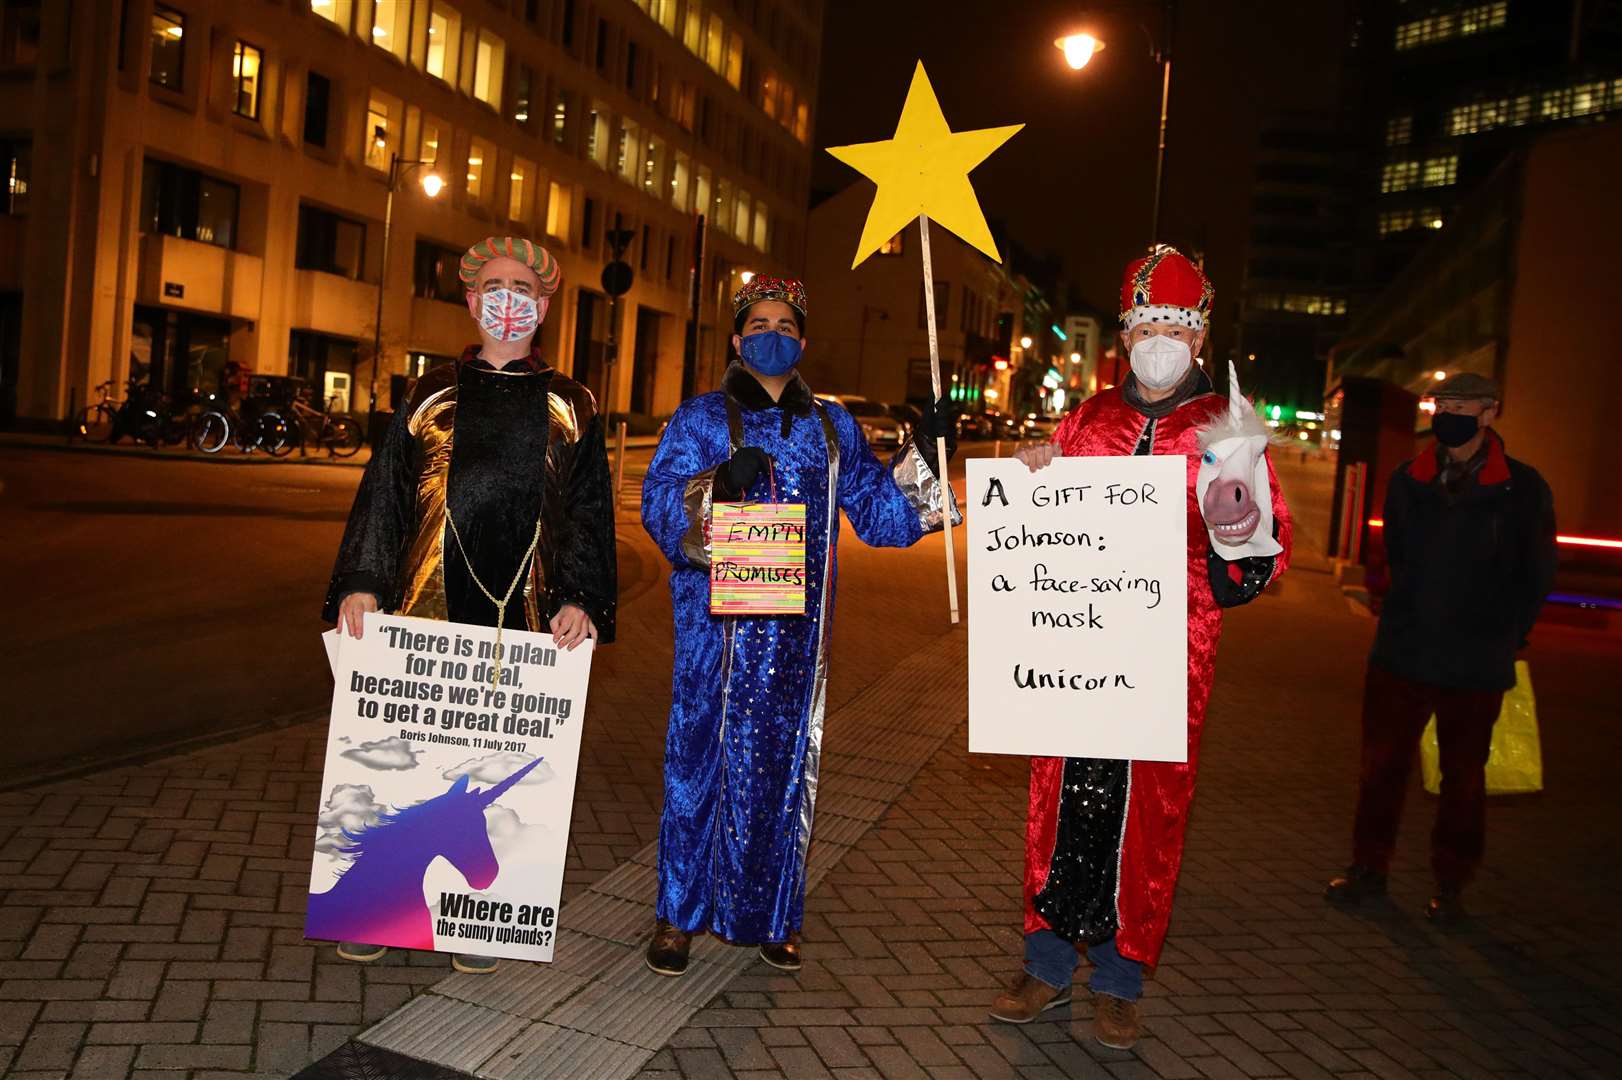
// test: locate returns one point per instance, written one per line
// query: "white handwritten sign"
(446, 796)
(1078, 608)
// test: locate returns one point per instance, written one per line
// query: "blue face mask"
(771, 353)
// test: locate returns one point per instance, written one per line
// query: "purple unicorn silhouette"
(378, 899)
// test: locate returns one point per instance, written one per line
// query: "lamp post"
(432, 185)
(1079, 49)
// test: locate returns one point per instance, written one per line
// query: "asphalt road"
(154, 600)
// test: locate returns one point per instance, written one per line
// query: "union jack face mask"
(508, 316)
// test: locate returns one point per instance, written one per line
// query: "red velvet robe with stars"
(1147, 851)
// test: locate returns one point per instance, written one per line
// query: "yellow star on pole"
(924, 170)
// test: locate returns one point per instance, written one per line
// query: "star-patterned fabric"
(744, 739)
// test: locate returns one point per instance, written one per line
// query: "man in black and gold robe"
(482, 452)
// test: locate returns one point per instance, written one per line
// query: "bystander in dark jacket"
(1470, 542)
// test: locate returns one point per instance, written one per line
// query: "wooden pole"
(940, 441)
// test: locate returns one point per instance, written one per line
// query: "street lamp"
(1080, 48)
(432, 185)
(1025, 342)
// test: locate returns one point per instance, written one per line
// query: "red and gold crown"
(1164, 287)
(790, 291)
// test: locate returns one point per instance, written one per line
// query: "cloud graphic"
(494, 768)
(510, 838)
(350, 807)
(390, 753)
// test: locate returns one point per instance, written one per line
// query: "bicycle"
(341, 435)
(96, 422)
(221, 425)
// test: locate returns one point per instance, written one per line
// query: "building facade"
(198, 182)
(867, 330)
(1298, 261)
(1511, 290)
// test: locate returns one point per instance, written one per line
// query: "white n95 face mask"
(1160, 362)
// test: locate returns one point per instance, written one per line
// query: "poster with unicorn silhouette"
(449, 781)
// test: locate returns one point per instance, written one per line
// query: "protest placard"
(1078, 628)
(757, 559)
(446, 795)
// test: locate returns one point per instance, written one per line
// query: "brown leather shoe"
(667, 951)
(782, 955)
(1356, 885)
(1115, 1022)
(1027, 999)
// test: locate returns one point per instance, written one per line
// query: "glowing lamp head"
(432, 185)
(746, 276)
(1025, 342)
(1079, 49)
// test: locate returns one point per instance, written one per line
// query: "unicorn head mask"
(1235, 496)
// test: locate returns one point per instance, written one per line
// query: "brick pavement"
(908, 939)
(151, 917)
(149, 921)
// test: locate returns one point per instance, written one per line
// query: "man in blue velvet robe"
(749, 693)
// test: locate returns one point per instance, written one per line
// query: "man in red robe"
(1104, 839)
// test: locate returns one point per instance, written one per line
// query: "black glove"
(940, 421)
(734, 477)
(1255, 571)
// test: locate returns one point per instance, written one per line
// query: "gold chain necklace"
(501, 605)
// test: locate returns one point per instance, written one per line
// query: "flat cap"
(1468, 386)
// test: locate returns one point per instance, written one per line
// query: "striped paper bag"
(757, 559)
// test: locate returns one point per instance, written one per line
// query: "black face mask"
(1454, 429)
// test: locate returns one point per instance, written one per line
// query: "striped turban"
(527, 252)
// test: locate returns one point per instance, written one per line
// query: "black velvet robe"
(503, 448)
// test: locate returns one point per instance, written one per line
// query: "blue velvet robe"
(748, 694)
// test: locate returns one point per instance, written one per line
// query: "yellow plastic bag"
(1515, 765)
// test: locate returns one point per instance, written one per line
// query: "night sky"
(1077, 182)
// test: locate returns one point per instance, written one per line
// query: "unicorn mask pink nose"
(1230, 512)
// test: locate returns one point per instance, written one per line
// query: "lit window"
(520, 190)
(1441, 171)
(1476, 19)
(16, 160)
(389, 19)
(1399, 176)
(479, 158)
(557, 211)
(245, 63)
(628, 152)
(768, 94)
(802, 122)
(1399, 130)
(560, 117)
(743, 216)
(337, 12)
(663, 12)
(762, 232)
(892, 246)
(444, 34)
(715, 44)
(681, 182)
(597, 134)
(379, 133)
(701, 193)
(488, 63)
(721, 205)
(168, 46)
(652, 161)
(693, 33)
(428, 148)
(734, 61)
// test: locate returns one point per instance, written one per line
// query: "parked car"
(1001, 425)
(1039, 427)
(910, 416)
(882, 430)
(973, 425)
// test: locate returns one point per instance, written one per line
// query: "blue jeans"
(1053, 960)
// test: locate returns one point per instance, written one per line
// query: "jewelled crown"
(790, 291)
